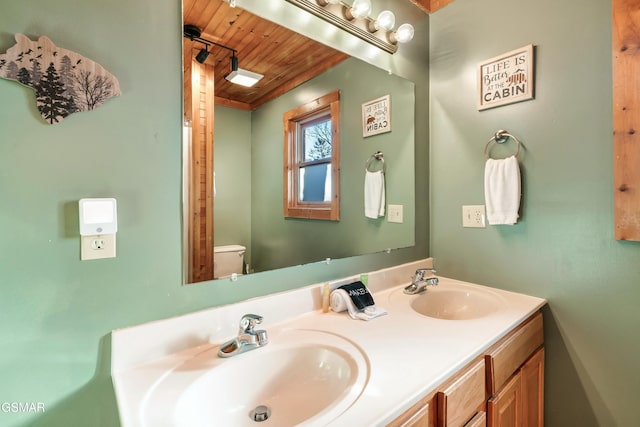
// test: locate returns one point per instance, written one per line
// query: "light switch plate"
(473, 216)
(395, 213)
(97, 247)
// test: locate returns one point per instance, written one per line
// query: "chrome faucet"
(248, 339)
(419, 282)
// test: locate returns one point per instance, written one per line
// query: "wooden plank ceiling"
(285, 58)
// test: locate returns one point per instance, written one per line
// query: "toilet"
(228, 260)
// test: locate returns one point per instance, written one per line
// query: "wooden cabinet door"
(533, 390)
(504, 409)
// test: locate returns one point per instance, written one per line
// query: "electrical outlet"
(96, 247)
(473, 216)
(395, 213)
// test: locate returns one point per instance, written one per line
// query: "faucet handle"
(249, 321)
(420, 273)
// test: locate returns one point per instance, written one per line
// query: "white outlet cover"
(395, 213)
(97, 247)
(473, 216)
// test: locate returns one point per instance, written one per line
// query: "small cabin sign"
(376, 116)
(506, 78)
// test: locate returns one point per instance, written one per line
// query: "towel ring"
(501, 137)
(375, 156)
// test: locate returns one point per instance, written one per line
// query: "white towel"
(502, 190)
(341, 301)
(374, 198)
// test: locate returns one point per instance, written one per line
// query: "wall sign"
(64, 82)
(376, 116)
(506, 78)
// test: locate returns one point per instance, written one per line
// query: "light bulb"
(360, 8)
(404, 33)
(386, 20)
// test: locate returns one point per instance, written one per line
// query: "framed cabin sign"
(506, 78)
(376, 116)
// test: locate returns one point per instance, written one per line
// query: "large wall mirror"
(233, 145)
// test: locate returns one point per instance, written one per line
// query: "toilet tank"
(227, 260)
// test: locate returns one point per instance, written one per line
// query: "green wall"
(563, 247)
(57, 311)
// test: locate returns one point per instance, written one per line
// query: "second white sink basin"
(454, 302)
(302, 377)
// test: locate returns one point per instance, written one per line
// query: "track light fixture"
(203, 54)
(355, 20)
(237, 75)
(240, 76)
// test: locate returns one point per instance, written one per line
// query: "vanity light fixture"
(359, 9)
(355, 20)
(237, 75)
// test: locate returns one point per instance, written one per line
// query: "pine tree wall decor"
(65, 82)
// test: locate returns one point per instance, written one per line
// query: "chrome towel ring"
(376, 156)
(500, 137)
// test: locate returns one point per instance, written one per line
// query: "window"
(312, 159)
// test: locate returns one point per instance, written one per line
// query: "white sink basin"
(455, 302)
(303, 377)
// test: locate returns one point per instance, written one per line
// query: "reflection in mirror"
(233, 195)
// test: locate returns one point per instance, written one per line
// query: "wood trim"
(194, 180)
(626, 122)
(198, 107)
(430, 6)
(504, 358)
(186, 198)
(292, 208)
(208, 170)
(233, 104)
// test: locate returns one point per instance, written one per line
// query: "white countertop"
(408, 354)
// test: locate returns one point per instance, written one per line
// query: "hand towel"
(359, 294)
(374, 197)
(341, 301)
(502, 190)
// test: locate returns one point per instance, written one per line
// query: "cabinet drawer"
(480, 420)
(419, 415)
(461, 399)
(505, 358)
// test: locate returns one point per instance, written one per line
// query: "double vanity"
(457, 354)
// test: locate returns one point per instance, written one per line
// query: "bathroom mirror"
(236, 198)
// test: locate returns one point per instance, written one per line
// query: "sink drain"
(261, 413)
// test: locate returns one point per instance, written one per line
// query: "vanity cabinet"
(515, 378)
(480, 420)
(462, 397)
(503, 388)
(419, 415)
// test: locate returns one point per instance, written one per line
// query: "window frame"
(294, 208)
